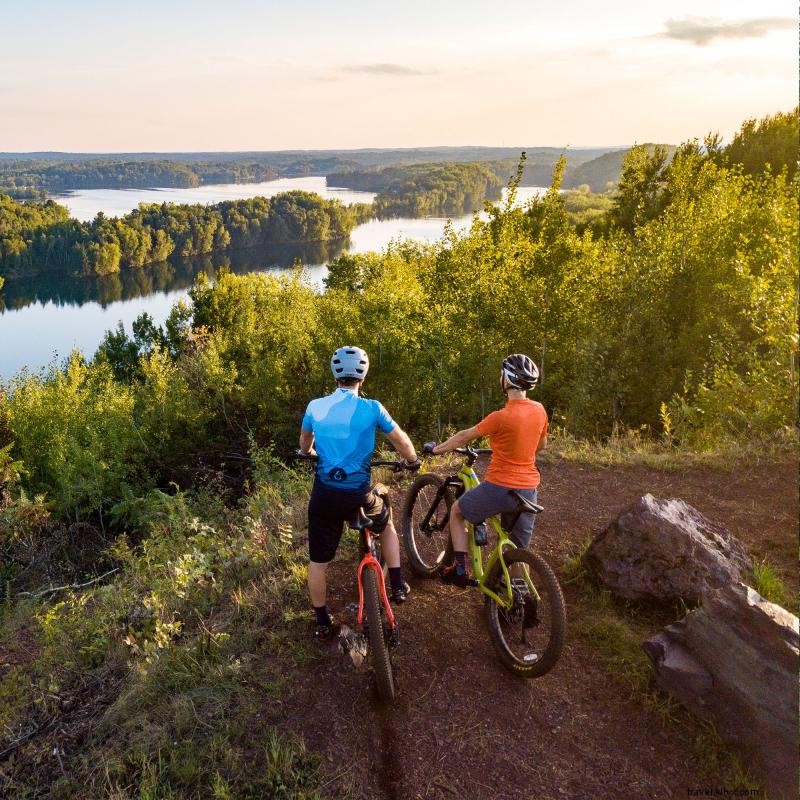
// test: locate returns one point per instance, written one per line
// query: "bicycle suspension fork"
(370, 562)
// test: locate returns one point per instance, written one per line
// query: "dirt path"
(462, 726)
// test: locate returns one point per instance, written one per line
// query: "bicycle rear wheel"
(426, 528)
(381, 664)
(529, 636)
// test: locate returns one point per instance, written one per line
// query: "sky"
(190, 75)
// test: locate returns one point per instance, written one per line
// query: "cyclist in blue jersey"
(340, 430)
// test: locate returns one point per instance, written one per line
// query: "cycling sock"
(461, 562)
(323, 618)
(396, 578)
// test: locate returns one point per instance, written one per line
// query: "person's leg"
(473, 506)
(324, 531)
(390, 545)
(376, 506)
(391, 552)
(317, 583)
(523, 529)
(458, 528)
(458, 536)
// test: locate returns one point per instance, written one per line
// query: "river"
(42, 319)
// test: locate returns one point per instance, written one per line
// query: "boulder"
(735, 661)
(663, 550)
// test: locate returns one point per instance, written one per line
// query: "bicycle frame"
(470, 480)
(370, 562)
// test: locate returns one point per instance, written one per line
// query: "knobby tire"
(381, 664)
(546, 583)
(426, 553)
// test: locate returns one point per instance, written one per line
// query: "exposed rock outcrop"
(735, 661)
(663, 550)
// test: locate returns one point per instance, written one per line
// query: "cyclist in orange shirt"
(516, 433)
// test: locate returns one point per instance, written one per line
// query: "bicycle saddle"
(360, 521)
(525, 505)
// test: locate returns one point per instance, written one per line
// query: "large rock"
(735, 661)
(665, 549)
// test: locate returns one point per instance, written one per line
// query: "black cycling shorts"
(329, 509)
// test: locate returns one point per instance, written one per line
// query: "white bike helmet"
(350, 362)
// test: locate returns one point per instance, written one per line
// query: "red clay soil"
(462, 726)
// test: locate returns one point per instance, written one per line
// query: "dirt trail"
(462, 726)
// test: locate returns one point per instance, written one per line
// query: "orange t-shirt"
(514, 433)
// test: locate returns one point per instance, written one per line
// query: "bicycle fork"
(370, 562)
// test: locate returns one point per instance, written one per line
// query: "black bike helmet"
(520, 372)
(350, 362)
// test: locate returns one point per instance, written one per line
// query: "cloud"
(703, 30)
(397, 70)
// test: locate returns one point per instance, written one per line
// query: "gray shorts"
(488, 499)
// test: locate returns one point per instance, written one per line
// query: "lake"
(42, 319)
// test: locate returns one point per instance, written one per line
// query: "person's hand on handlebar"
(428, 447)
(412, 466)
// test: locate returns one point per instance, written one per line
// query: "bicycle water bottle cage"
(360, 522)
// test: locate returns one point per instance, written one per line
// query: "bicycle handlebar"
(472, 453)
(397, 466)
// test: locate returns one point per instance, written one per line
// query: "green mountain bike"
(524, 603)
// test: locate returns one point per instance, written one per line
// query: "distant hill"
(55, 171)
(31, 175)
(323, 161)
(603, 170)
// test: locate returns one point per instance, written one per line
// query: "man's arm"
(542, 443)
(306, 442)
(399, 438)
(458, 440)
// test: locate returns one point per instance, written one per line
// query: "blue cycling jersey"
(344, 426)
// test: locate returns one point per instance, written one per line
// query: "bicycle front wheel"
(529, 635)
(381, 664)
(426, 526)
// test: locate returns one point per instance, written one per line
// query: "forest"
(420, 190)
(41, 237)
(24, 180)
(30, 176)
(617, 315)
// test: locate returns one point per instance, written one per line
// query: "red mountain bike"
(379, 628)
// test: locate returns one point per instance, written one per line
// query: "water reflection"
(168, 276)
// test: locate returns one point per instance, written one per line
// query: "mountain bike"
(379, 629)
(524, 604)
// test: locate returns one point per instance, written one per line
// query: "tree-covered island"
(420, 190)
(38, 237)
